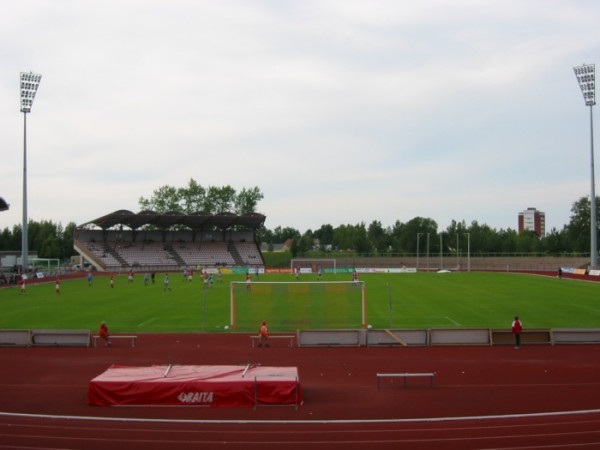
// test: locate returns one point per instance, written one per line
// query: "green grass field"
(488, 300)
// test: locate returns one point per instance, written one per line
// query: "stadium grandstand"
(3, 205)
(124, 240)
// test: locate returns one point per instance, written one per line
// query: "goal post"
(312, 265)
(290, 306)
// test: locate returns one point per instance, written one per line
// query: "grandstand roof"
(197, 220)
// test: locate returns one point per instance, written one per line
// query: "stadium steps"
(239, 261)
(176, 256)
(115, 254)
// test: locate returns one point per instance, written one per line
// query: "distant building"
(533, 220)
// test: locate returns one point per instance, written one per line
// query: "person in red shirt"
(263, 332)
(104, 335)
(57, 286)
(23, 285)
(517, 327)
(355, 277)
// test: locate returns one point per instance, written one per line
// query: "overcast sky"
(341, 112)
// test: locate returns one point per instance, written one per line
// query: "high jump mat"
(184, 385)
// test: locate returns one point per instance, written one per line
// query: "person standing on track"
(263, 333)
(517, 327)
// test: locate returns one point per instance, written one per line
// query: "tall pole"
(418, 236)
(29, 85)
(594, 225)
(427, 252)
(457, 254)
(586, 77)
(24, 238)
(441, 254)
(468, 251)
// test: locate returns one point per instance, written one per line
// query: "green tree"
(362, 244)
(280, 235)
(196, 198)
(219, 199)
(66, 241)
(324, 235)
(192, 198)
(164, 199)
(247, 200)
(553, 242)
(404, 236)
(378, 236)
(578, 230)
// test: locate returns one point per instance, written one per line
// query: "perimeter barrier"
(15, 338)
(61, 338)
(444, 336)
(55, 338)
(349, 337)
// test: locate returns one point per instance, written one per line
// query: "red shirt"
(103, 330)
(517, 327)
(263, 330)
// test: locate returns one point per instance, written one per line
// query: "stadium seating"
(211, 254)
(118, 250)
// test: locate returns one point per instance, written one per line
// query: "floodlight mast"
(29, 85)
(586, 77)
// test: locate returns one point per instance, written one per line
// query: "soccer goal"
(290, 306)
(307, 265)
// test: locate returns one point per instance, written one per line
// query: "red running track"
(484, 397)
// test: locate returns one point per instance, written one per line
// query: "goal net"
(290, 306)
(307, 265)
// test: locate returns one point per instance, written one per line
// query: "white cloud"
(340, 112)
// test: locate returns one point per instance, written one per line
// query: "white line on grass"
(452, 320)
(587, 308)
(19, 311)
(147, 322)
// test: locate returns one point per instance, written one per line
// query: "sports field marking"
(395, 337)
(452, 320)
(301, 421)
(146, 322)
(587, 308)
(17, 311)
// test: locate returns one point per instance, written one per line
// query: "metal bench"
(254, 339)
(405, 377)
(113, 336)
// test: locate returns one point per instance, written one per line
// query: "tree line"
(419, 234)
(46, 238)
(51, 240)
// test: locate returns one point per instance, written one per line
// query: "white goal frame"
(353, 284)
(313, 261)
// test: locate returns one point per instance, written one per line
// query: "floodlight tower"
(586, 76)
(29, 85)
